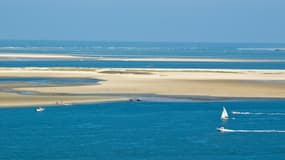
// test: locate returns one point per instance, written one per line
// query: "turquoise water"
(145, 49)
(142, 130)
(122, 64)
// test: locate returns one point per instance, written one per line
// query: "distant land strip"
(4, 56)
(225, 83)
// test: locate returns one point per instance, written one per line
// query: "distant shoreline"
(4, 56)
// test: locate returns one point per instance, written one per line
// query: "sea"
(144, 130)
(273, 51)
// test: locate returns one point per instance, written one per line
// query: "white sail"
(224, 115)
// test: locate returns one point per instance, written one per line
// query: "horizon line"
(144, 41)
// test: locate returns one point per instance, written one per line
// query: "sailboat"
(224, 115)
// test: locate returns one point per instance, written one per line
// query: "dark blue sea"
(143, 130)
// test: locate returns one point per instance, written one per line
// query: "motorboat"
(40, 109)
(222, 129)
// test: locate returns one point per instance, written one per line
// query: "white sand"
(186, 82)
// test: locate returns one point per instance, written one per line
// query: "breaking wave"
(261, 49)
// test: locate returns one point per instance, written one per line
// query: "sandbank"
(169, 82)
(17, 100)
(4, 56)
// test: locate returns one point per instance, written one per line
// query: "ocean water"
(145, 64)
(148, 49)
(143, 130)
(145, 49)
(163, 130)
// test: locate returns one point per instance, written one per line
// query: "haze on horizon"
(144, 20)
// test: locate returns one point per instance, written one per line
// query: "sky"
(144, 20)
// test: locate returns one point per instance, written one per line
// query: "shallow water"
(37, 81)
(142, 130)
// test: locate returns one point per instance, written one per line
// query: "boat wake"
(259, 113)
(253, 131)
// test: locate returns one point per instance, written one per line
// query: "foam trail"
(259, 113)
(261, 49)
(254, 131)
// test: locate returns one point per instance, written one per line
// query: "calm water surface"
(145, 49)
(142, 130)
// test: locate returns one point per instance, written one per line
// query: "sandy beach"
(170, 82)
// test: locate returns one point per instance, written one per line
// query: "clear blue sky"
(144, 20)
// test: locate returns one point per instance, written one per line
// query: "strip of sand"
(170, 82)
(16, 100)
(141, 73)
(150, 59)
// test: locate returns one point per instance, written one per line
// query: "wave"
(258, 113)
(261, 49)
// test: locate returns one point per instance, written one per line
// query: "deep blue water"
(145, 49)
(142, 130)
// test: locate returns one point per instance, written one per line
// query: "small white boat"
(224, 115)
(67, 104)
(222, 129)
(40, 109)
